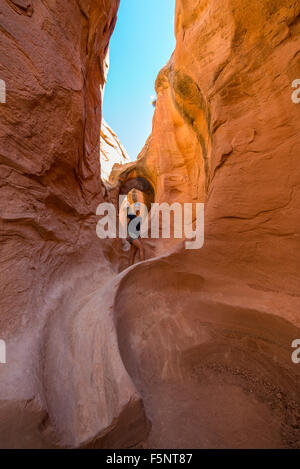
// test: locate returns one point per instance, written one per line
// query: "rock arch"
(125, 178)
(141, 184)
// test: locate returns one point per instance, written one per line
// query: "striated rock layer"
(64, 383)
(111, 151)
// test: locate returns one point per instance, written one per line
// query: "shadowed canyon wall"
(195, 340)
(52, 263)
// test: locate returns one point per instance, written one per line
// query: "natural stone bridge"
(125, 178)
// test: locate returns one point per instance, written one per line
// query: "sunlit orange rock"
(225, 132)
(213, 329)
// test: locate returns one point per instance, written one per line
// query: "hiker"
(134, 233)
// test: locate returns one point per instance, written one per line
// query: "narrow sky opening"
(141, 45)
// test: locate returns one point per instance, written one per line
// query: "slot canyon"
(190, 348)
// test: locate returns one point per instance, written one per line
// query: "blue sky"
(142, 43)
